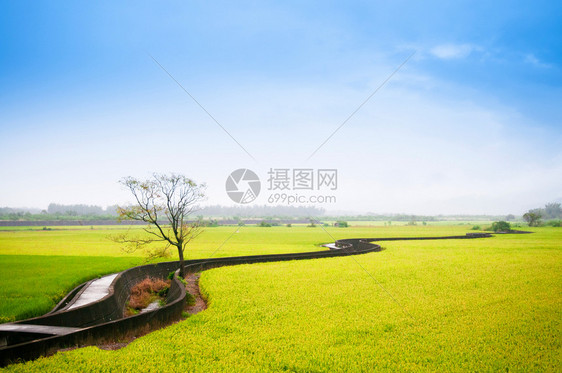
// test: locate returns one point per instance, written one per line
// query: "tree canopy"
(533, 218)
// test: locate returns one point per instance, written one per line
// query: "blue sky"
(471, 124)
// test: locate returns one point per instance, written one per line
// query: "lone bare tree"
(164, 202)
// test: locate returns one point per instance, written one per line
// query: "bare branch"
(174, 197)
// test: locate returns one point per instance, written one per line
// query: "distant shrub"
(500, 226)
(475, 228)
(264, 224)
(289, 225)
(533, 217)
(341, 224)
(554, 223)
(209, 223)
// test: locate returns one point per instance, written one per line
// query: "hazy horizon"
(327, 212)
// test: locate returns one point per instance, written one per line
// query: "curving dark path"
(74, 322)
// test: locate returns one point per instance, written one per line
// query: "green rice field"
(491, 304)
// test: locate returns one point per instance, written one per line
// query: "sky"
(464, 114)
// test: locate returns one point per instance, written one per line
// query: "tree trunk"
(182, 263)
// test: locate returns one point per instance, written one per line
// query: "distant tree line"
(60, 212)
(382, 217)
(259, 211)
(81, 210)
(92, 212)
(7, 213)
(552, 212)
(417, 218)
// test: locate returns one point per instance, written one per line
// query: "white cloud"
(533, 60)
(452, 51)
